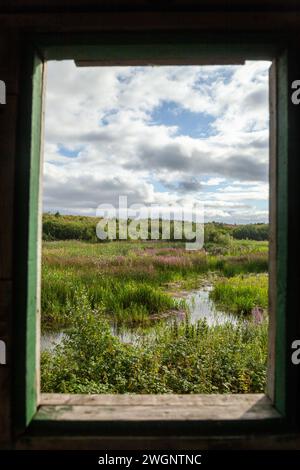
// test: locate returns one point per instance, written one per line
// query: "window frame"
(35, 413)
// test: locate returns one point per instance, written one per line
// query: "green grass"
(240, 294)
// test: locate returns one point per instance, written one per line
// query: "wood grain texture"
(9, 65)
(7, 163)
(151, 418)
(156, 408)
(282, 190)
(5, 370)
(292, 215)
(27, 245)
(65, 399)
(8, 120)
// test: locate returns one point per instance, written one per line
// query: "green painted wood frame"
(26, 242)
(133, 48)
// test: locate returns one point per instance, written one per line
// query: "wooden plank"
(9, 65)
(5, 307)
(282, 126)
(8, 114)
(27, 248)
(272, 231)
(7, 161)
(292, 317)
(141, 49)
(200, 400)
(160, 408)
(5, 370)
(156, 416)
(5, 410)
(212, 60)
(160, 413)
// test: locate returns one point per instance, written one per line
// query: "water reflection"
(200, 307)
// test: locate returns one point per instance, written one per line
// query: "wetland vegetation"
(151, 317)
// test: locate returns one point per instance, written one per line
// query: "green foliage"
(240, 294)
(68, 227)
(73, 227)
(183, 358)
(251, 232)
(215, 234)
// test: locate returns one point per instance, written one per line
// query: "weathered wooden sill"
(132, 408)
(153, 422)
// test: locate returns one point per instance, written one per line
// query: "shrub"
(251, 232)
(59, 227)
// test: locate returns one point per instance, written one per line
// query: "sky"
(160, 135)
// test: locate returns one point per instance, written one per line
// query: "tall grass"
(125, 301)
(240, 294)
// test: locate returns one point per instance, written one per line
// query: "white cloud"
(213, 181)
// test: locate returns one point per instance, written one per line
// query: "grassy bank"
(240, 294)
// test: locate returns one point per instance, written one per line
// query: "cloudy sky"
(159, 135)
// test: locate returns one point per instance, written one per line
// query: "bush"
(257, 232)
(68, 227)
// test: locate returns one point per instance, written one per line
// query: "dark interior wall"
(14, 5)
(153, 5)
(19, 17)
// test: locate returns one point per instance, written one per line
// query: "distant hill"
(77, 227)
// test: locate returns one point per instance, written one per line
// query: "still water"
(200, 307)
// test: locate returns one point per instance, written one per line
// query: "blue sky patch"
(219, 75)
(69, 152)
(105, 120)
(191, 124)
(157, 185)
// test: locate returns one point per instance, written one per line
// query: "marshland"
(145, 316)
